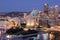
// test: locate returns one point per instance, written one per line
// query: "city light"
(36, 20)
(25, 29)
(32, 23)
(28, 24)
(8, 36)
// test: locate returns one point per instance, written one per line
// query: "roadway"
(55, 28)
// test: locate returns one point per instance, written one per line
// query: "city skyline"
(25, 5)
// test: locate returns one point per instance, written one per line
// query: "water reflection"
(44, 36)
(0, 33)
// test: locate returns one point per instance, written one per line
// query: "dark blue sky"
(25, 5)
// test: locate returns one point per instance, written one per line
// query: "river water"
(40, 36)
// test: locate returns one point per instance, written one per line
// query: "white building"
(32, 19)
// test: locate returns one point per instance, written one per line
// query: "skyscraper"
(56, 10)
(46, 8)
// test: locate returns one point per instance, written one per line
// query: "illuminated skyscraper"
(56, 10)
(46, 8)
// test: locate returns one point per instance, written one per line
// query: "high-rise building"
(51, 13)
(46, 8)
(56, 13)
(56, 10)
(56, 7)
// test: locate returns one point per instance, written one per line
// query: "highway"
(56, 28)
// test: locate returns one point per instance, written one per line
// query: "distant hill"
(13, 14)
(2, 13)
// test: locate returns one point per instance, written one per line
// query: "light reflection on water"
(45, 36)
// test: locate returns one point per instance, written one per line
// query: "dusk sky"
(25, 5)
